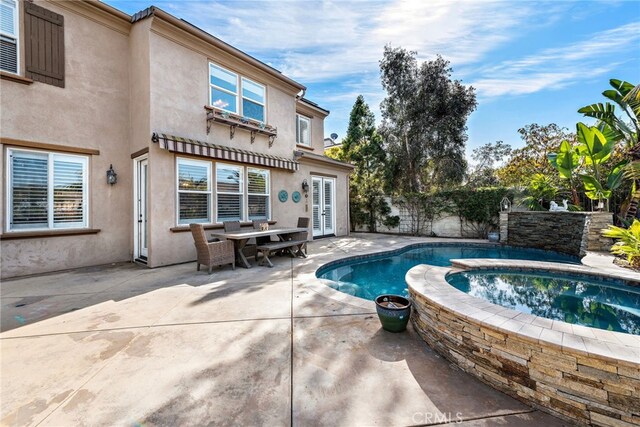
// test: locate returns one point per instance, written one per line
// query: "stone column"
(597, 222)
(504, 228)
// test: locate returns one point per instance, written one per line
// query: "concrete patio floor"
(127, 345)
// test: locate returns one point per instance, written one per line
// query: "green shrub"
(478, 208)
(628, 243)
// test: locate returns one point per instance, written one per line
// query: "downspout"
(348, 204)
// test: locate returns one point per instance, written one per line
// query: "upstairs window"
(46, 190)
(9, 36)
(235, 94)
(303, 130)
(223, 89)
(194, 191)
(252, 100)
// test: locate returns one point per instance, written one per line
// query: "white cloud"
(555, 68)
(334, 46)
(317, 41)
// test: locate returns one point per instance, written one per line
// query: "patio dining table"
(240, 239)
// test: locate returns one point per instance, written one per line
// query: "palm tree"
(627, 97)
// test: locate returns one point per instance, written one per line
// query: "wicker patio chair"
(231, 226)
(249, 249)
(212, 253)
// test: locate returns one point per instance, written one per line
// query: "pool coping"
(430, 282)
(314, 283)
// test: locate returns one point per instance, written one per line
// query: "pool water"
(384, 273)
(590, 301)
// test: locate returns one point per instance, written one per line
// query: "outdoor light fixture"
(112, 176)
(505, 205)
(305, 186)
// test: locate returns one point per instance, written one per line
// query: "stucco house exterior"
(194, 129)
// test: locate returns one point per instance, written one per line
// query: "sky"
(530, 62)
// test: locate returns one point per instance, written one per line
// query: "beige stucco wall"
(179, 76)
(317, 127)
(123, 83)
(180, 90)
(139, 86)
(317, 134)
(92, 111)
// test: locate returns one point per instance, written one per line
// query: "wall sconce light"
(305, 186)
(112, 176)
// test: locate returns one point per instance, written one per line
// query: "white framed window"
(223, 88)
(229, 192)
(239, 95)
(9, 47)
(258, 193)
(253, 97)
(194, 191)
(303, 130)
(46, 190)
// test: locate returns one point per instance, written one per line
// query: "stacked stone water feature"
(572, 233)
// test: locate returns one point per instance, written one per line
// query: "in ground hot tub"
(574, 371)
(598, 302)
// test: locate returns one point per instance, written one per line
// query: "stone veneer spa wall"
(582, 374)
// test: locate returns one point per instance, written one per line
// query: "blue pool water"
(590, 301)
(384, 274)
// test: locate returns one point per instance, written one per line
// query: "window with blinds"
(47, 190)
(229, 192)
(258, 193)
(9, 36)
(194, 191)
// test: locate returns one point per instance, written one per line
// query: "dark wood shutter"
(44, 45)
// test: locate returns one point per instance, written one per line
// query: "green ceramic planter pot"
(394, 312)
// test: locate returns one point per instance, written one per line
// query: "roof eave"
(303, 156)
(314, 106)
(203, 35)
(109, 9)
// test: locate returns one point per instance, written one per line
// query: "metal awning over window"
(177, 144)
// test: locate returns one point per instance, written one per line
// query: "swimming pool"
(373, 275)
(578, 299)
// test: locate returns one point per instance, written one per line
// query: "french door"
(140, 226)
(323, 206)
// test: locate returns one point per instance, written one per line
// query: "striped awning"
(178, 144)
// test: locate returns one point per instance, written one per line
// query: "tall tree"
(532, 159)
(486, 157)
(424, 122)
(363, 147)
